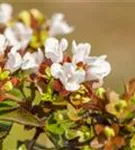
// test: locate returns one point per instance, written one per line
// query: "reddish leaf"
(2, 97)
(99, 129)
(66, 59)
(119, 141)
(46, 63)
(15, 81)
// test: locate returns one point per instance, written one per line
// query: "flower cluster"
(58, 89)
(71, 73)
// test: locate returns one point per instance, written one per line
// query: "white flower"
(5, 12)
(18, 34)
(68, 74)
(32, 60)
(54, 49)
(3, 43)
(98, 68)
(14, 60)
(29, 61)
(80, 52)
(58, 26)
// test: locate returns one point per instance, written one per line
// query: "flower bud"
(8, 86)
(121, 105)
(109, 132)
(100, 92)
(4, 75)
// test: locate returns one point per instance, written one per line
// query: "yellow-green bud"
(70, 134)
(8, 86)
(60, 116)
(4, 75)
(85, 99)
(121, 105)
(109, 132)
(87, 147)
(81, 136)
(100, 92)
(77, 96)
(22, 147)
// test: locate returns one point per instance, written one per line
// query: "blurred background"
(109, 26)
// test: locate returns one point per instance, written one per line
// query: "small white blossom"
(14, 60)
(54, 49)
(58, 26)
(3, 43)
(18, 34)
(29, 61)
(5, 12)
(68, 74)
(32, 60)
(80, 52)
(98, 68)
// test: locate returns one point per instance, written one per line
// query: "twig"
(34, 139)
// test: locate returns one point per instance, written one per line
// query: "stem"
(33, 92)
(34, 139)
(12, 97)
(22, 92)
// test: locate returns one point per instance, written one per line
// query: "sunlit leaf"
(19, 115)
(72, 114)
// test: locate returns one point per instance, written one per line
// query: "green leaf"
(70, 134)
(132, 142)
(72, 114)
(4, 129)
(58, 124)
(8, 105)
(21, 116)
(55, 128)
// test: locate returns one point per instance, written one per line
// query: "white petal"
(79, 76)
(39, 56)
(69, 69)
(56, 70)
(28, 61)
(72, 86)
(53, 50)
(18, 34)
(10, 36)
(72, 77)
(5, 12)
(14, 61)
(15, 48)
(32, 60)
(93, 59)
(58, 25)
(99, 68)
(51, 45)
(63, 44)
(3, 43)
(74, 81)
(80, 52)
